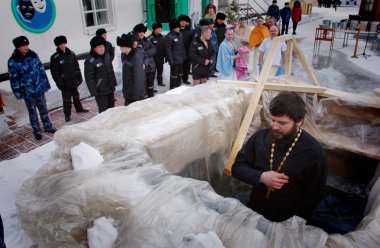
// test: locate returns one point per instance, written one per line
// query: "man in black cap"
(175, 53)
(67, 75)
(147, 51)
(99, 75)
(187, 34)
(133, 71)
(156, 39)
(101, 32)
(220, 27)
(29, 82)
(274, 10)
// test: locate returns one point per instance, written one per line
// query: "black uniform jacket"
(198, 55)
(147, 51)
(65, 69)
(99, 74)
(158, 42)
(174, 48)
(133, 76)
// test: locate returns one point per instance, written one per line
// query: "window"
(368, 6)
(97, 14)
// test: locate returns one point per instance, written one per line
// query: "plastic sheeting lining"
(143, 144)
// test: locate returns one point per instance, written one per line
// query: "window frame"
(368, 5)
(110, 9)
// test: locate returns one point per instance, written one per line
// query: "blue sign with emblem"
(36, 16)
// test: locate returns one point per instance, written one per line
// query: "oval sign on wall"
(36, 16)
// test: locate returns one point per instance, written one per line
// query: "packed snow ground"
(343, 72)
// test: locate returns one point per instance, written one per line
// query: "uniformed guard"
(67, 75)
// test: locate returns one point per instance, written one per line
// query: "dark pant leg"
(128, 101)
(159, 71)
(294, 27)
(32, 111)
(185, 71)
(111, 100)
(42, 108)
(180, 75)
(102, 102)
(76, 99)
(2, 242)
(174, 71)
(150, 83)
(66, 96)
(286, 27)
(283, 28)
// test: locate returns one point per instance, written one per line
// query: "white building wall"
(68, 22)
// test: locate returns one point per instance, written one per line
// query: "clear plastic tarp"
(162, 156)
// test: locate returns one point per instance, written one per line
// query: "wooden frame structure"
(262, 84)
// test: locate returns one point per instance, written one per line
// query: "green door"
(165, 10)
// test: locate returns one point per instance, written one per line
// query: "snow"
(340, 71)
(102, 234)
(85, 156)
(12, 175)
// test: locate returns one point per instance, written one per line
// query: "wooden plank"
(278, 87)
(304, 63)
(284, 38)
(358, 100)
(345, 143)
(366, 114)
(289, 58)
(254, 101)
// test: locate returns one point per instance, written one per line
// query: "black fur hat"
(97, 41)
(156, 25)
(174, 24)
(140, 28)
(221, 16)
(59, 40)
(100, 31)
(20, 41)
(184, 18)
(124, 41)
(204, 22)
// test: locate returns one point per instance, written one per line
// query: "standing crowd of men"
(209, 48)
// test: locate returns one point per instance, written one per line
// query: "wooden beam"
(275, 86)
(289, 58)
(254, 101)
(339, 141)
(304, 63)
(283, 38)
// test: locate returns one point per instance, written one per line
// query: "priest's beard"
(282, 137)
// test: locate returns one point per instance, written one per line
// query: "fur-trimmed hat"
(97, 41)
(184, 18)
(274, 1)
(221, 16)
(124, 41)
(59, 40)
(140, 28)
(20, 41)
(204, 22)
(174, 24)
(100, 31)
(156, 25)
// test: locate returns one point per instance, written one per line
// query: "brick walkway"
(21, 139)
